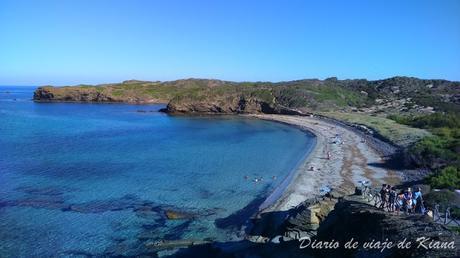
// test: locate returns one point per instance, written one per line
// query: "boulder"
(308, 218)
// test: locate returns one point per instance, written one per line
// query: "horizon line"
(237, 81)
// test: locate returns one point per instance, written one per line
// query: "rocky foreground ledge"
(352, 219)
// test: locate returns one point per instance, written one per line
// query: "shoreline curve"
(351, 160)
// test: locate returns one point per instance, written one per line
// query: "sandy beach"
(350, 160)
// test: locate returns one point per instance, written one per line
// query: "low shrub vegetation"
(441, 151)
(448, 177)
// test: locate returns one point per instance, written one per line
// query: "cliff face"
(229, 105)
(232, 104)
(131, 91)
(90, 94)
(78, 95)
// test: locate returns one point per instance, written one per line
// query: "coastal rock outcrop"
(351, 219)
(354, 219)
(45, 94)
(228, 105)
(128, 92)
(307, 219)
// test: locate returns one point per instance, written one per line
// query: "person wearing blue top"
(418, 200)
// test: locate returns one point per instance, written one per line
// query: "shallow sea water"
(98, 179)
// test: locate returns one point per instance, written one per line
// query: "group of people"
(405, 200)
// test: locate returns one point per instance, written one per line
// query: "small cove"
(94, 178)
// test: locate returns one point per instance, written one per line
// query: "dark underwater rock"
(40, 202)
(49, 190)
(179, 215)
(173, 244)
(98, 206)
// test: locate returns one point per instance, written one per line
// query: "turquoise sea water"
(98, 179)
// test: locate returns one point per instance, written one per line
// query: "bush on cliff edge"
(448, 177)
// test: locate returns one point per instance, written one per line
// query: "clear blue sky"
(71, 42)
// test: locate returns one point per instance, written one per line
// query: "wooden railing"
(444, 218)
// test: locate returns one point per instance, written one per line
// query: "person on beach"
(392, 199)
(418, 201)
(383, 198)
(387, 196)
(328, 155)
(399, 202)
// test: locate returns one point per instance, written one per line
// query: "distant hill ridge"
(392, 95)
